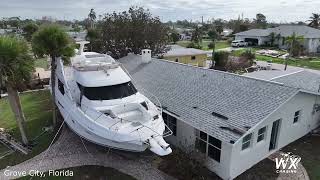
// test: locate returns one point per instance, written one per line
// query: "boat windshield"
(117, 91)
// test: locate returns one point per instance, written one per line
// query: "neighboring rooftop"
(177, 50)
(222, 104)
(284, 31)
(302, 79)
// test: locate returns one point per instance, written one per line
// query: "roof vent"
(220, 116)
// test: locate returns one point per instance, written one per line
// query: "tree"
(92, 17)
(16, 66)
(261, 21)
(197, 35)
(174, 36)
(94, 36)
(132, 30)
(29, 29)
(51, 40)
(213, 34)
(219, 29)
(294, 45)
(314, 20)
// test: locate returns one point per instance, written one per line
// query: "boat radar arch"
(82, 44)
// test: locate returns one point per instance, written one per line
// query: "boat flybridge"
(100, 103)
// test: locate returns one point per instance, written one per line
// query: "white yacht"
(100, 103)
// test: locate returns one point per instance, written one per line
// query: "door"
(274, 134)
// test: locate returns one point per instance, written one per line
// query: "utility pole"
(202, 20)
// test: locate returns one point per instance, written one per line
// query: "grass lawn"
(308, 148)
(42, 63)
(37, 109)
(88, 172)
(219, 44)
(311, 63)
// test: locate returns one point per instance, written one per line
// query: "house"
(235, 121)
(226, 32)
(191, 56)
(263, 36)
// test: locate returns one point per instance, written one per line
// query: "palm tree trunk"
(15, 104)
(53, 89)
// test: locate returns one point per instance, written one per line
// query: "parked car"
(239, 43)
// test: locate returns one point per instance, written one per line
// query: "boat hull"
(102, 141)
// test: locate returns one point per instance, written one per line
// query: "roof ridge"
(223, 72)
(287, 74)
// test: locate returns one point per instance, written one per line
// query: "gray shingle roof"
(284, 31)
(302, 79)
(194, 93)
(254, 32)
(175, 51)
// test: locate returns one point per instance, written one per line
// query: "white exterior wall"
(289, 132)
(185, 139)
(312, 45)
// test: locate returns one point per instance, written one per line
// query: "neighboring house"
(226, 32)
(263, 36)
(235, 121)
(185, 37)
(78, 36)
(191, 56)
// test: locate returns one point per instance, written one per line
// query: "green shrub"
(211, 45)
(221, 58)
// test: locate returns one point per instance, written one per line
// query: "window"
(61, 87)
(193, 57)
(296, 116)
(246, 141)
(208, 145)
(261, 134)
(108, 92)
(177, 60)
(171, 122)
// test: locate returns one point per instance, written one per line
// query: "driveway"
(71, 151)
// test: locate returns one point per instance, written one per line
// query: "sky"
(284, 11)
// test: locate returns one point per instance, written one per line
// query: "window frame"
(263, 134)
(171, 122)
(296, 118)
(61, 86)
(208, 145)
(246, 142)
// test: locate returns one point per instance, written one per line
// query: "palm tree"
(92, 17)
(294, 44)
(52, 41)
(314, 20)
(16, 66)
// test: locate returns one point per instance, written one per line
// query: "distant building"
(226, 32)
(263, 36)
(78, 36)
(191, 56)
(232, 120)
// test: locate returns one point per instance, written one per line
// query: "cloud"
(275, 10)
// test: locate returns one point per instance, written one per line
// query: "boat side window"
(61, 87)
(117, 91)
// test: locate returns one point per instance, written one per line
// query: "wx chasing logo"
(287, 163)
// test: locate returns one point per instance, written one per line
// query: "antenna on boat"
(81, 49)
